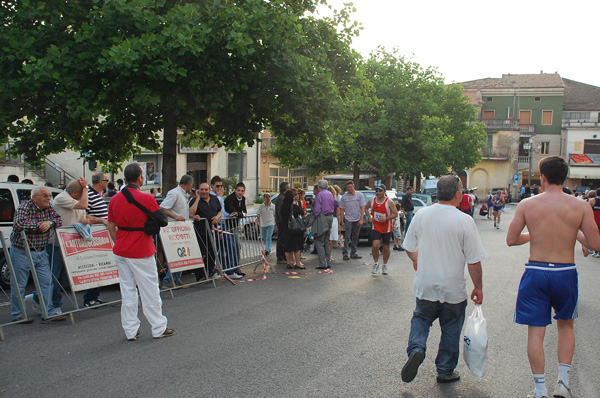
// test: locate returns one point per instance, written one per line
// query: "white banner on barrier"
(181, 246)
(89, 264)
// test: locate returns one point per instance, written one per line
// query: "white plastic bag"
(476, 342)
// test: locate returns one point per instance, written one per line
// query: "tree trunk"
(169, 165)
(356, 176)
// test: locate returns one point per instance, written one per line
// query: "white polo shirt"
(447, 239)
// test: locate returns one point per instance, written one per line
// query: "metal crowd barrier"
(238, 242)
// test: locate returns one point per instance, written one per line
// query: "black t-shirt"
(407, 203)
(206, 210)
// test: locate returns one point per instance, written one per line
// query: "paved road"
(337, 335)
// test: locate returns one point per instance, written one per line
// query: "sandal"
(299, 267)
(291, 266)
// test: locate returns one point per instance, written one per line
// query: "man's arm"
(171, 214)
(318, 204)
(112, 230)
(194, 205)
(414, 256)
(83, 202)
(476, 277)
(515, 235)
(368, 211)
(588, 234)
(361, 221)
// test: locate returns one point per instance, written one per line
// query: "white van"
(11, 196)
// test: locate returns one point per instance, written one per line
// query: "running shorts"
(545, 286)
(384, 238)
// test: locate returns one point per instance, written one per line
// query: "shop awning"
(584, 172)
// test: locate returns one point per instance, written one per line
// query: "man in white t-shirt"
(440, 241)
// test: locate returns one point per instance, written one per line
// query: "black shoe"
(454, 376)
(410, 369)
(240, 273)
(323, 267)
(401, 249)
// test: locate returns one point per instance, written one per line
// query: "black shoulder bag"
(156, 219)
(296, 224)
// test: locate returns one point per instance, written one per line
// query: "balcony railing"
(581, 123)
(500, 124)
(496, 152)
(527, 128)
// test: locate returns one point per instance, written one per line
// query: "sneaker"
(498, 226)
(375, 269)
(35, 306)
(596, 255)
(355, 256)
(346, 257)
(411, 367)
(561, 391)
(58, 311)
(454, 376)
(167, 333)
(240, 273)
(235, 276)
(92, 303)
(401, 248)
(134, 338)
(384, 269)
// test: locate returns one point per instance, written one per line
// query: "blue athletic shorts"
(545, 286)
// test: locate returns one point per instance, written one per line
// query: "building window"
(581, 116)
(235, 166)
(546, 118)
(299, 176)
(149, 164)
(544, 148)
(277, 175)
(591, 147)
(489, 114)
(537, 99)
(488, 99)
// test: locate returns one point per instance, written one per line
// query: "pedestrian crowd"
(442, 241)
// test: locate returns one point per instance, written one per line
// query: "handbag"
(476, 342)
(296, 224)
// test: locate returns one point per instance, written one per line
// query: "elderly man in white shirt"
(176, 207)
(440, 241)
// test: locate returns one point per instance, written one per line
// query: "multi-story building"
(522, 116)
(581, 134)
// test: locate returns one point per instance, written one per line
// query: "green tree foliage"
(409, 122)
(104, 77)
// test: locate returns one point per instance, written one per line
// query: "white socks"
(564, 370)
(540, 385)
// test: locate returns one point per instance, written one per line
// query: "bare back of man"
(553, 220)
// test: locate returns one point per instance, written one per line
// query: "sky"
(468, 40)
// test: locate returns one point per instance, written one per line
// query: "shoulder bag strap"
(132, 200)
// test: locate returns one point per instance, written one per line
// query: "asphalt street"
(342, 334)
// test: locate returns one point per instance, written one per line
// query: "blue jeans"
(267, 236)
(22, 270)
(58, 274)
(176, 276)
(451, 319)
(409, 216)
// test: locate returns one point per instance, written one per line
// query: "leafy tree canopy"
(409, 122)
(103, 77)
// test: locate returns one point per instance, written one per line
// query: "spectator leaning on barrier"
(96, 208)
(176, 207)
(134, 254)
(266, 217)
(37, 218)
(204, 208)
(235, 205)
(71, 206)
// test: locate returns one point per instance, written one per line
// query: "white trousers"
(141, 272)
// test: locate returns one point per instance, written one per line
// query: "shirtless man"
(550, 277)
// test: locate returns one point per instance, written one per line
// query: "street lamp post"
(527, 146)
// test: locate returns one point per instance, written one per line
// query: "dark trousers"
(280, 244)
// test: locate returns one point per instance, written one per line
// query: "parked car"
(11, 196)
